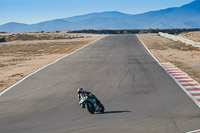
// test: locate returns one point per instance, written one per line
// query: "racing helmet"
(79, 90)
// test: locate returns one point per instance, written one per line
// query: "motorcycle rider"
(82, 94)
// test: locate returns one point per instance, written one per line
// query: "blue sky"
(34, 11)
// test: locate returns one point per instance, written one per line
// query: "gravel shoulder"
(186, 57)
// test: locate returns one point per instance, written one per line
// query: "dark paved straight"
(139, 97)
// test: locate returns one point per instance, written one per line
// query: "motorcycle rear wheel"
(102, 109)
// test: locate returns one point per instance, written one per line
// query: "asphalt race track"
(138, 95)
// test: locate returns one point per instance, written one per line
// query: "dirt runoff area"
(21, 57)
(186, 57)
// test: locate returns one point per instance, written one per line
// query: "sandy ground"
(20, 58)
(186, 57)
(195, 36)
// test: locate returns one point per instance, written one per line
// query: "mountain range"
(186, 16)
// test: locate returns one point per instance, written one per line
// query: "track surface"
(137, 93)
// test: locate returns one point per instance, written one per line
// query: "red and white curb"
(189, 85)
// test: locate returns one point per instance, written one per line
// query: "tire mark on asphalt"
(122, 79)
(176, 126)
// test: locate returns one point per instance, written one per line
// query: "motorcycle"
(91, 105)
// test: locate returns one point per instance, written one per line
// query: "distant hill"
(53, 25)
(186, 16)
(110, 14)
(14, 27)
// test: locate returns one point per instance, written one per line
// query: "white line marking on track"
(7, 89)
(187, 87)
(197, 97)
(195, 131)
(185, 80)
(196, 92)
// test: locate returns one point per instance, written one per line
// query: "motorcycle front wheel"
(90, 108)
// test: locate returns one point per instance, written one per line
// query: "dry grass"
(20, 58)
(195, 36)
(186, 57)
(40, 48)
(39, 36)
